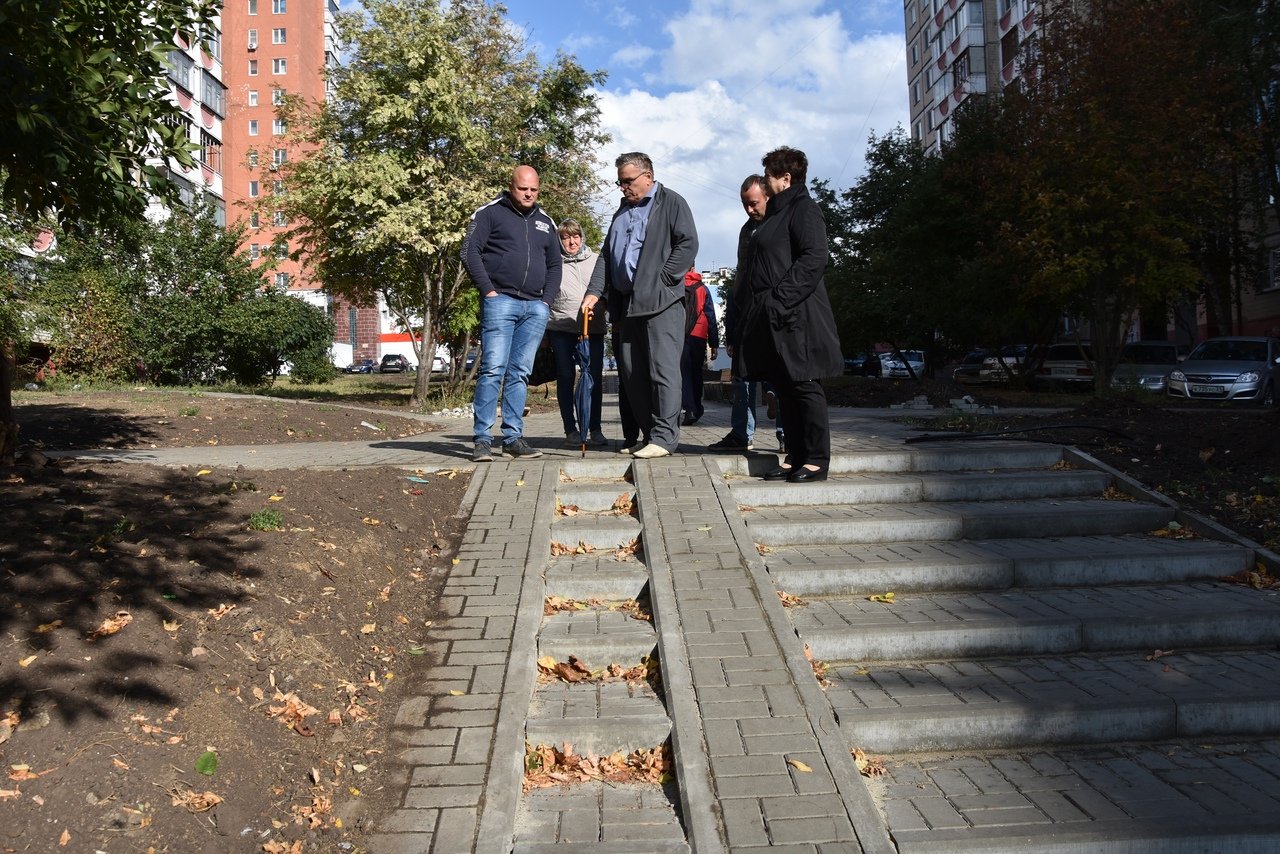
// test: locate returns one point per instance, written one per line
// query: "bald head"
(524, 188)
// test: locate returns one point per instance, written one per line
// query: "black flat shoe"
(779, 473)
(804, 475)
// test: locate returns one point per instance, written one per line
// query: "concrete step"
(948, 456)
(594, 497)
(951, 626)
(903, 488)
(604, 531)
(598, 637)
(860, 569)
(596, 576)
(1172, 796)
(884, 523)
(1093, 698)
(597, 717)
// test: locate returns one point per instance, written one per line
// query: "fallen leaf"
(64, 838)
(368, 628)
(203, 472)
(111, 625)
(170, 625)
(275, 498)
(369, 520)
(519, 483)
(868, 766)
(6, 794)
(26, 662)
(799, 766)
(1159, 654)
(456, 693)
(887, 598)
(45, 628)
(193, 801)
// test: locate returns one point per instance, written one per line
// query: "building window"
(279, 66)
(253, 39)
(213, 43)
(254, 251)
(277, 35)
(253, 7)
(279, 220)
(253, 68)
(213, 94)
(282, 281)
(281, 250)
(253, 189)
(180, 67)
(279, 127)
(254, 221)
(277, 7)
(253, 127)
(279, 156)
(253, 158)
(253, 97)
(277, 188)
(211, 151)
(277, 97)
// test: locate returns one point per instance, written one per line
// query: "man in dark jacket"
(651, 243)
(512, 253)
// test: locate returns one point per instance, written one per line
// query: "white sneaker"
(650, 451)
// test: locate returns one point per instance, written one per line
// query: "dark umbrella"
(582, 394)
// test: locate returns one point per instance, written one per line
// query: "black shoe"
(779, 473)
(688, 420)
(804, 475)
(771, 404)
(520, 448)
(730, 444)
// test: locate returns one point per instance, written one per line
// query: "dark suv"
(394, 363)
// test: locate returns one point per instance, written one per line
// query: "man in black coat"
(788, 331)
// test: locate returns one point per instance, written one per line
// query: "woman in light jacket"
(564, 327)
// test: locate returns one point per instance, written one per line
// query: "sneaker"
(482, 453)
(630, 448)
(771, 404)
(731, 443)
(520, 448)
(689, 419)
(598, 439)
(573, 437)
(650, 451)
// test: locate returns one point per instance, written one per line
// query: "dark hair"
(754, 181)
(635, 158)
(782, 160)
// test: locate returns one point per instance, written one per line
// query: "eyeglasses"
(627, 182)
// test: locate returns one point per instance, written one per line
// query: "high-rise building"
(196, 86)
(957, 49)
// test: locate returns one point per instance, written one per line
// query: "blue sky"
(706, 87)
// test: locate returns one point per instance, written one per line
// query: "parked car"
(863, 365)
(1145, 365)
(360, 366)
(1233, 368)
(969, 371)
(897, 364)
(394, 363)
(1067, 366)
(1004, 364)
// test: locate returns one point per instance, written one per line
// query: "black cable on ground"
(943, 437)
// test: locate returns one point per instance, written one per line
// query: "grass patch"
(266, 520)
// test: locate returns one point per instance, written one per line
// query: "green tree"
(270, 329)
(84, 119)
(1120, 149)
(434, 108)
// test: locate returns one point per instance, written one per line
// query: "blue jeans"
(742, 418)
(565, 345)
(510, 331)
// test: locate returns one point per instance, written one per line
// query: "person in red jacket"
(701, 333)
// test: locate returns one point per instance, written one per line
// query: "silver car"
(1145, 365)
(1235, 368)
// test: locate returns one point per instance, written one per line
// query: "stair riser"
(599, 652)
(601, 737)
(866, 580)
(855, 531)
(609, 586)
(570, 532)
(774, 494)
(1123, 519)
(1073, 485)
(593, 498)
(1096, 572)
(971, 458)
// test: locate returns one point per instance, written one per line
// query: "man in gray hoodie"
(651, 243)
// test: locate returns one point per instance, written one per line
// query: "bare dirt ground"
(209, 660)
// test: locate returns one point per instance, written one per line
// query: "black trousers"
(802, 412)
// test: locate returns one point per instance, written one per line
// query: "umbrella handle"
(585, 318)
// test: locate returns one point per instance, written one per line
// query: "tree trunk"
(8, 426)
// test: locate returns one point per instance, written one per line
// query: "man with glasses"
(512, 253)
(651, 243)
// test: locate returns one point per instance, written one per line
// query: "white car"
(897, 367)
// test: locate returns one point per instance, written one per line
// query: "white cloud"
(632, 56)
(741, 77)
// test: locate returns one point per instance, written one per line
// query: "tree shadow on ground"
(82, 544)
(60, 426)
